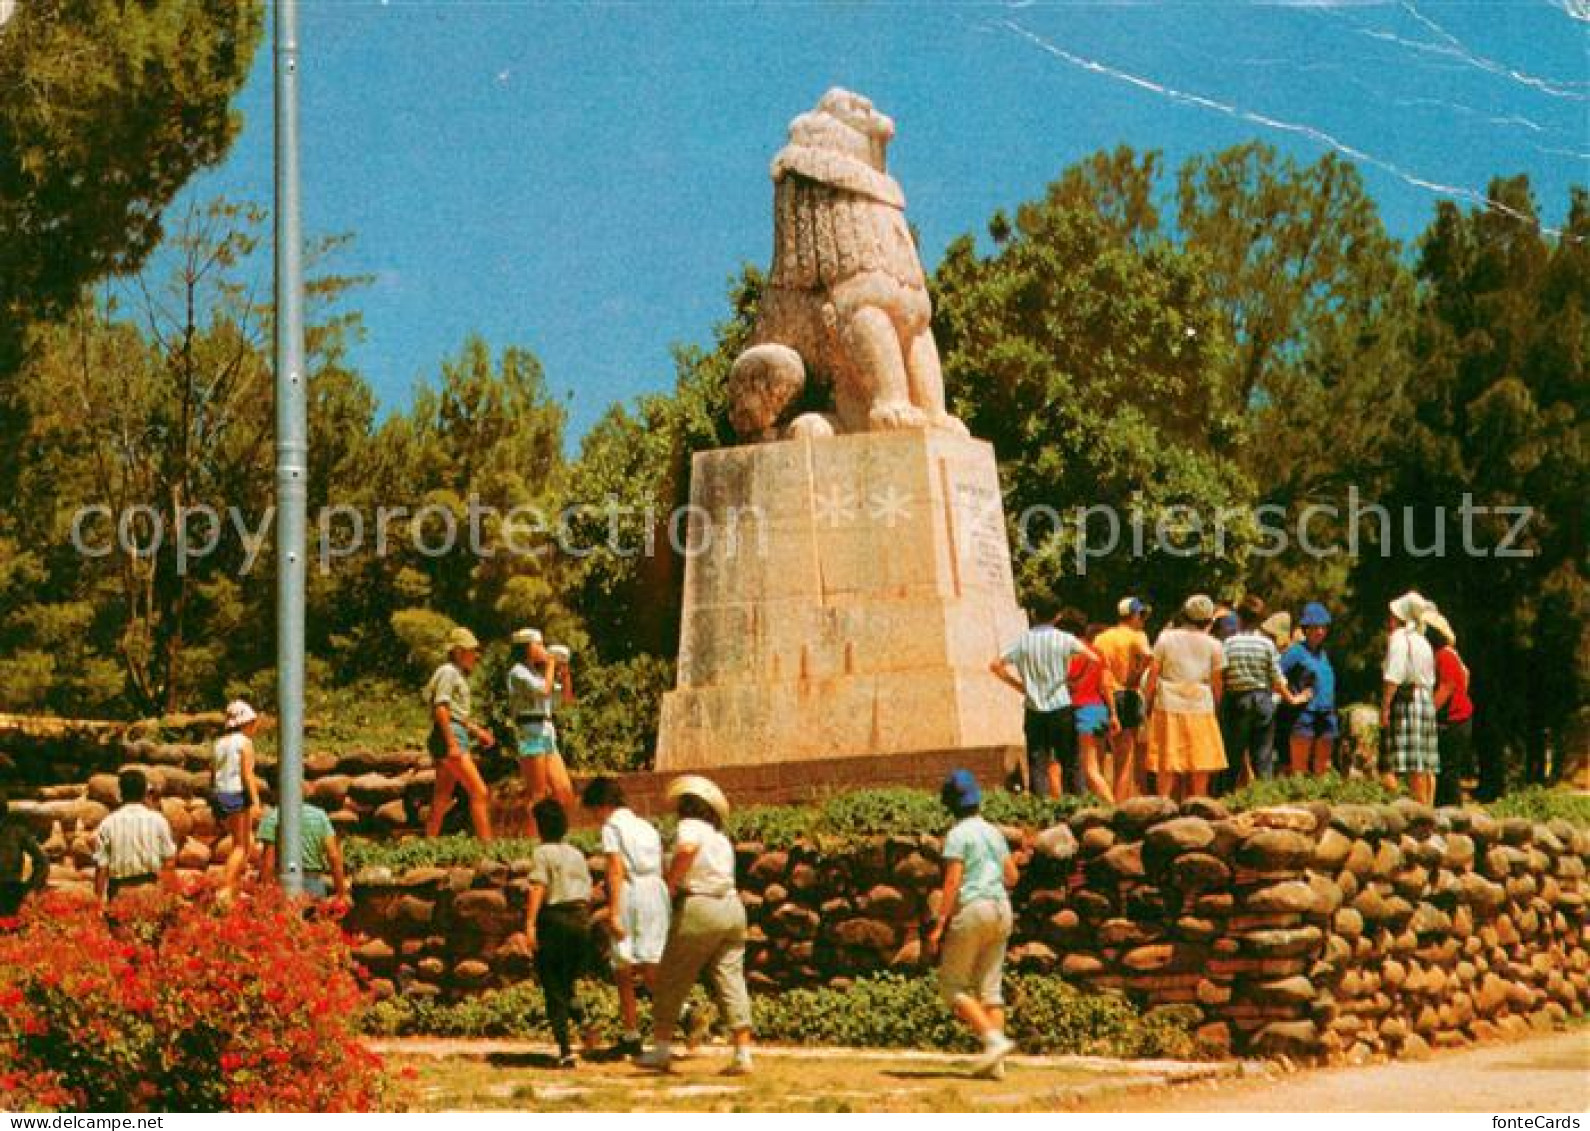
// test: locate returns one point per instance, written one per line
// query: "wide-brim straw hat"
(1410, 608)
(462, 640)
(526, 636)
(703, 789)
(1434, 619)
(1278, 626)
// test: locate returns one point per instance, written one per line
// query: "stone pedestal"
(843, 598)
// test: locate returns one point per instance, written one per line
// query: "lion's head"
(845, 122)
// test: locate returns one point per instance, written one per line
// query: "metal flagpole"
(292, 457)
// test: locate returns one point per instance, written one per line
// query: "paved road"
(1543, 1075)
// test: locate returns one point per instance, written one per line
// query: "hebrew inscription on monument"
(850, 577)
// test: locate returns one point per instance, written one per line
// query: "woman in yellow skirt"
(1183, 690)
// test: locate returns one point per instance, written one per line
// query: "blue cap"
(1315, 615)
(962, 786)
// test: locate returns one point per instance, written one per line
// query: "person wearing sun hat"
(708, 930)
(452, 726)
(1307, 666)
(1278, 627)
(534, 682)
(1409, 738)
(234, 790)
(1183, 690)
(1454, 710)
(974, 922)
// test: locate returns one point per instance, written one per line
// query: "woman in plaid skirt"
(1407, 710)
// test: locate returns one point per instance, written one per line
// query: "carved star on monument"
(835, 505)
(891, 506)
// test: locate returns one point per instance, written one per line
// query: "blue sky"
(582, 180)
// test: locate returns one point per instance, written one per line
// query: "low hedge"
(1047, 1015)
(1544, 803)
(914, 812)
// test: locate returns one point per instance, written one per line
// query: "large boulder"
(1275, 850)
(1171, 838)
(1057, 843)
(1199, 871)
(1137, 814)
(1291, 897)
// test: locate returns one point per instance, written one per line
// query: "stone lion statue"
(843, 326)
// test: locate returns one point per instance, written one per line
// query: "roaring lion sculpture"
(846, 308)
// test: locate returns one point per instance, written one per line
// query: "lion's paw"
(947, 423)
(896, 416)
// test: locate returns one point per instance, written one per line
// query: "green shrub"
(1331, 787)
(459, 851)
(776, 826)
(888, 1010)
(881, 1011)
(1544, 803)
(518, 1012)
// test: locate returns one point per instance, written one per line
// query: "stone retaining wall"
(1345, 933)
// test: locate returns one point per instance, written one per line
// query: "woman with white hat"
(1407, 705)
(447, 696)
(540, 675)
(1454, 711)
(234, 789)
(708, 931)
(1183, 689)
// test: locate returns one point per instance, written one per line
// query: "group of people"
(1204, 708)
(539, 679)
(134, 846)
(675, 919)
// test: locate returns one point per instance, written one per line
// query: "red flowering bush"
(173, 1004)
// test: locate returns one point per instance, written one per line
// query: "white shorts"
(645, 921)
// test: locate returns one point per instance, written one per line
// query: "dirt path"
(489, 1075)
(1544, 1075)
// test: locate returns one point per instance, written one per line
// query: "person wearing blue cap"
(1307, 667)
(974, 921)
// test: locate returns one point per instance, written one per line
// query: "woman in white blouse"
(708, 931)
(1409, 734)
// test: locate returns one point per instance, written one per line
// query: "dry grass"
(783, 1081)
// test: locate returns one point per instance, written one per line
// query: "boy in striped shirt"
(1036, 665)
(1252, 685)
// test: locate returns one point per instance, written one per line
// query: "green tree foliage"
(450, 511)
(151, 400)
(1317, 305)
(1498, 415)
(632, 474)
(1083, 348)
(1179, 350)
(110, 107)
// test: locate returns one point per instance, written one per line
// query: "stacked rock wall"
(1347, 933)
(366, 793)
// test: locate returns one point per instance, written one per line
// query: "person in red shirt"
(1093, 698)
(1454, 711)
